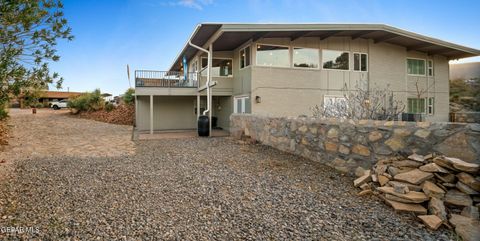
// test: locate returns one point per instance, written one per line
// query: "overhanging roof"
(232, 35)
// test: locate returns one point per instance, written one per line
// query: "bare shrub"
(361, 104)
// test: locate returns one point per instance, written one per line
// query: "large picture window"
(416, 105)
(273, 56)
(245, 57)
(220, 67)
(332, 59)
(360, 62)
(416, 66)
(305, 58)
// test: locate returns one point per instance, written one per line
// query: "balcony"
(165, 79)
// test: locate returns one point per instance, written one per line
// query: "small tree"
(29, 30)
(89, 101)
(361, 104)
(129, 96)
(31, 97)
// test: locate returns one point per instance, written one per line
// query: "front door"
(239, 104)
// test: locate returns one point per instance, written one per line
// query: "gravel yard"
(193, 189)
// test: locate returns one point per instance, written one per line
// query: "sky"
(149, 34)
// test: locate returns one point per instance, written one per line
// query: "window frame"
(275, 45)
(430, 105)
(345, 51)
(292, 64)
(424, 105)
(430, 68)
(224, 58)
(240, 56)
(360, 63)
(242, 98)
(425, 70)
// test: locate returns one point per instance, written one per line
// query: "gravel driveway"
(192, 189)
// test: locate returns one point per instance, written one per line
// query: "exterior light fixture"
(258, 99)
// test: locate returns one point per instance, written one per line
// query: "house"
(48, 96)
(45, 97)
(285, 69)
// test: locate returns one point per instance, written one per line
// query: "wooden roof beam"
(385, 38)
(329, 34)
(419, 46)
(361, 34)
(299, 35)
(441, 51)
(258, 36)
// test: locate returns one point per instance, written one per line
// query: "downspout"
(209, 64)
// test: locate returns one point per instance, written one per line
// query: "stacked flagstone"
(438, 189)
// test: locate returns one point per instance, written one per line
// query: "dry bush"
(361, 104)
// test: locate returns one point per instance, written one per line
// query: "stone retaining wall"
(347, 144)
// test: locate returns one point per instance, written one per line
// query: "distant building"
(46, 97)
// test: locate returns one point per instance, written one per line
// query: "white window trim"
(212, 67)
(240, 57)
(349, 61)
(305, 68)
(276, 45)
(426, 67)
(425, 107)
(243, 98)
(353, 62)
(430, 105)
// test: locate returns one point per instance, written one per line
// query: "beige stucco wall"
(292, 92)
(222, 109)
(169, 112)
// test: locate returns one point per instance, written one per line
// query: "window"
(332, 59)
(275, 56)
(239, 104)
(305, 58)
(415, 105)
(220, 67)
(329, 101)
(430, 108)
(430, 67)
(416, 66)
(360, 62)
(245, 57)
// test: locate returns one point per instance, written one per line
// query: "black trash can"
(214, 122)
(203, 126)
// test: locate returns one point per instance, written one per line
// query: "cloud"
(197, 4)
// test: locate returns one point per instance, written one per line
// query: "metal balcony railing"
(167, 79)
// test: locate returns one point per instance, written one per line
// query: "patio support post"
(209, 91)
(136, 112)
(151, 114)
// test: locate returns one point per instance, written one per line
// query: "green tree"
(29, 30)
(129, 96)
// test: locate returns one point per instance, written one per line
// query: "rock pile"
(438, 189)
(121, 115)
